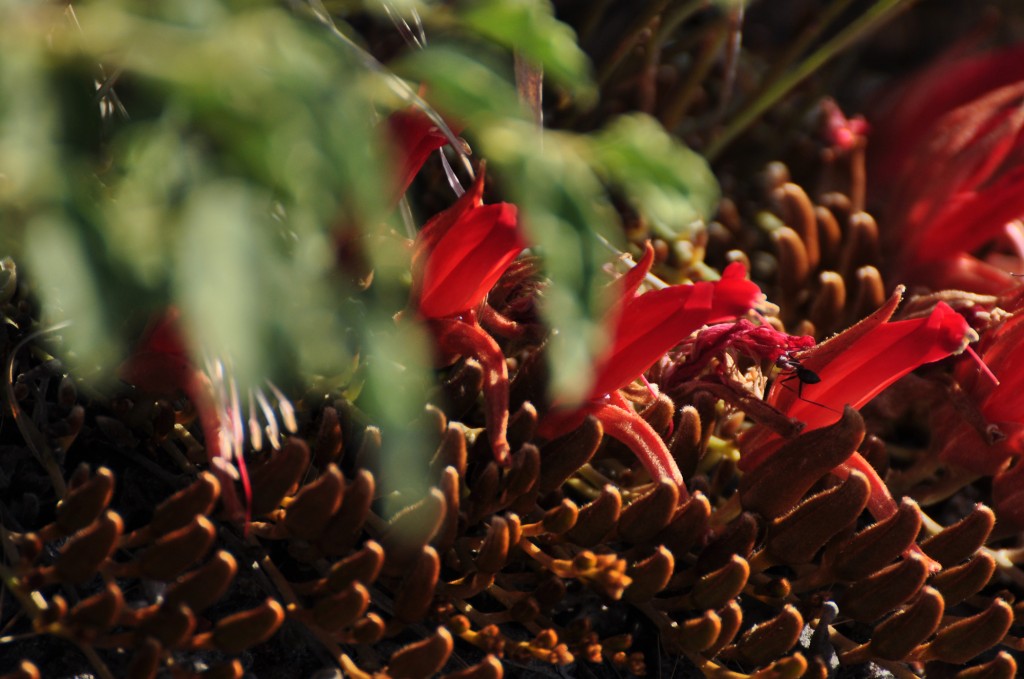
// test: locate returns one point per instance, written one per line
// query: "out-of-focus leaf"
(397, 372)
(248, 98)
(61, 264)
(465, 86)
(663, 180)
(29, 168)
(217, 276)
(563, 206)
(288, 109)
(530, 27)
(138, 221)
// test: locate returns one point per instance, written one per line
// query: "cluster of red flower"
(950, 153)
(452, 283)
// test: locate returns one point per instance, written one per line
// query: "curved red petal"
(879, 358)
(627, 427)
(415, 138)
(440, 224)
(469, 339)
(469, 260)
(649, 325)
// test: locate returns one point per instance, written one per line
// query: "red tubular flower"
(946, 159)
(854, 367)
(984, 434)
(643, 328)
(457, 258)
(461, 253)
(415, 138)
(160, 367)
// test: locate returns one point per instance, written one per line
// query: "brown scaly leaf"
(411, 529)
(960, 582)
(878, 545)
(84, 503)
(26, 670)
(1003, 666)
(881, 592)
(240, 631)
(312, 508)
(278, 476)
(897, 636)
(963, 640)
(81, 556)
(649, 576)
(362, 566)
(344, 529)
(204, 586)
(423, 658)
(169, 556)
(597, 519)
(559, 459)
(336, 612)
(416, 591)
(773, 489)
(959, 541)
(146, 661)
(717, 588)
(488, 668)
(796, 537)
(770, 639)
(645, 517)
(180, 509)
(99, 611)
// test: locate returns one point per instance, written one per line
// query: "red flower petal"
(626, 426)
(469, 259)
(652, 323)
(415, 137)
(946, 160)
(927, 95)
(440, 224)
(855, 366)
(456, 337)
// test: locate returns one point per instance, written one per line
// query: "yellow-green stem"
(871, 20)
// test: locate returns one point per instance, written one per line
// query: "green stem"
(871, 20)
(681, 100)
(803, 41)
(629, 40)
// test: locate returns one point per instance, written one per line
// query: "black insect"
(802, 374)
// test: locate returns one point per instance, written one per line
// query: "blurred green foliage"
(205, 154)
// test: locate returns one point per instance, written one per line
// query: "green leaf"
(218, 278)
(530, 27)
(398, 376)
(564, 208)
(470, 87)
(66, 281)
(662, 179)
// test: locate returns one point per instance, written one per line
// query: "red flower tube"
(946, 160)
(457, 258)
(415, 137)
(984, 432)
(854, 367)
(643, 328)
